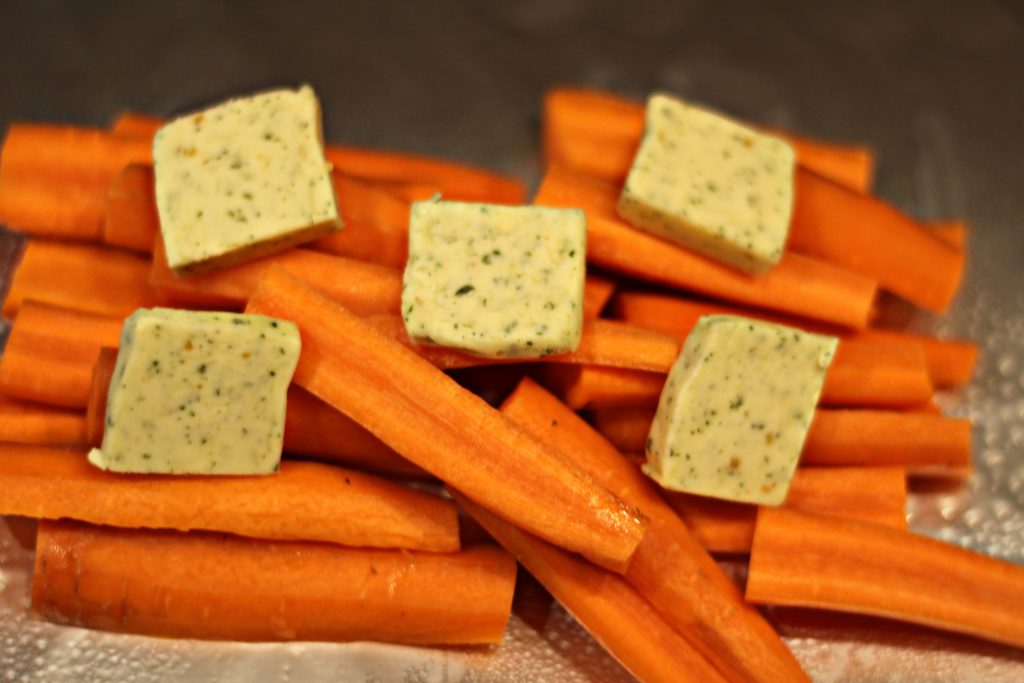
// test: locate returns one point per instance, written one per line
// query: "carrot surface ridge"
(805, 560)
(425, 416)
(25, 422)
(217, 587)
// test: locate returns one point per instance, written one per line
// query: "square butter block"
(497, 281)
(198, 393)
(711, 185)
(243, 179)
(735, 409)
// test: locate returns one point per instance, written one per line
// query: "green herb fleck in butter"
(243, 179)
(712, 185)
(497, 281)
(735, 410)
(198, 393)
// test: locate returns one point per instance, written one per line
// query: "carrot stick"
(62, 153)
(950, 361)
(426, 417)
(923, 443)
(952, 232)
(217, 587)
(608, 607)
(597, 133)
(130, 215)
(593, 386)
(869, 494)
(363, 288)
(38, 205)
(131, 123)
(96, 410)
(805, 560)
(305, 501)
(457, 181)
(51, 351)
(376, 224)
(868, 236)
(79, 276)
(597, 292)
(603, 342)
(669, 568)
(23, 422)
(798, 285)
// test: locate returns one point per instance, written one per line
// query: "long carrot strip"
(604, 342)
(952, 232)
(798, 285)
(305, 501)
(669, 568)
(58, 152)
(363, 288)
(132, 123)
(810, 561)
(51, 351)
(80, 276)
(597, 292)
(407, 191)
(376, 224)
(28, 423)
(597, 133)
(129, 214)
(219, 587)
(603, 603)
(950, 361)
(869, 494)
(51, 207)
(593, 386)
(870, 237)
(425, 416)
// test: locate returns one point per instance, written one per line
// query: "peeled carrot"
(96, 410)
(805, 560)
(304, 501)
(798, 285)
(426, 417)
(456, 181)
(29, 423)
(870, 494)
(218, 587)
(669, 568)
(868, 236)
(923, 443)
(603, 603)
(79, 276)
(130, 218)
(51, 351)
(597, 293)
(952, 232)
(593, 386)
(51, 207)
(131, 123)
(950, 361)
(376, 224)
(363, 288)
(597, 133)
(58, 152)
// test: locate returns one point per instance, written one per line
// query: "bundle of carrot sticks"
(388, 442)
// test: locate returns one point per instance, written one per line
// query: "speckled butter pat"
(712, 185)
(735, 410)
(198, 393)
(243, 179)
(497, 281)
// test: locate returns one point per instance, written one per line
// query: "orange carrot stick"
(425, 416)
(868, 236)
(363, 288)
(57, 152)
(130, 218)
(593, 386)
(597, 292)
(798, 285)
(51, 351)
(950, 361)
(407, 191)
(63, 208)
(305, 501)
(79, 276)
(805, 560)
(217, 587)
(870, 494)
(597, 133)
(669, 568)
(376, 224)
(457, 181)
(952, 232)
(135, 124)
(23, 422)
(96, 410)
(611, 610)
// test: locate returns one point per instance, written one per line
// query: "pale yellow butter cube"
(198, 393)
(498, 281)
(243, 179)
(711, 184)
(734, 413)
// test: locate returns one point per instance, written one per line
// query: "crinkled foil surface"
(934, 87)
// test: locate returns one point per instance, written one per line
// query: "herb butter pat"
(198, 393)
(735, 410)
(243, 179)
(711, 185)
(497, 281)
